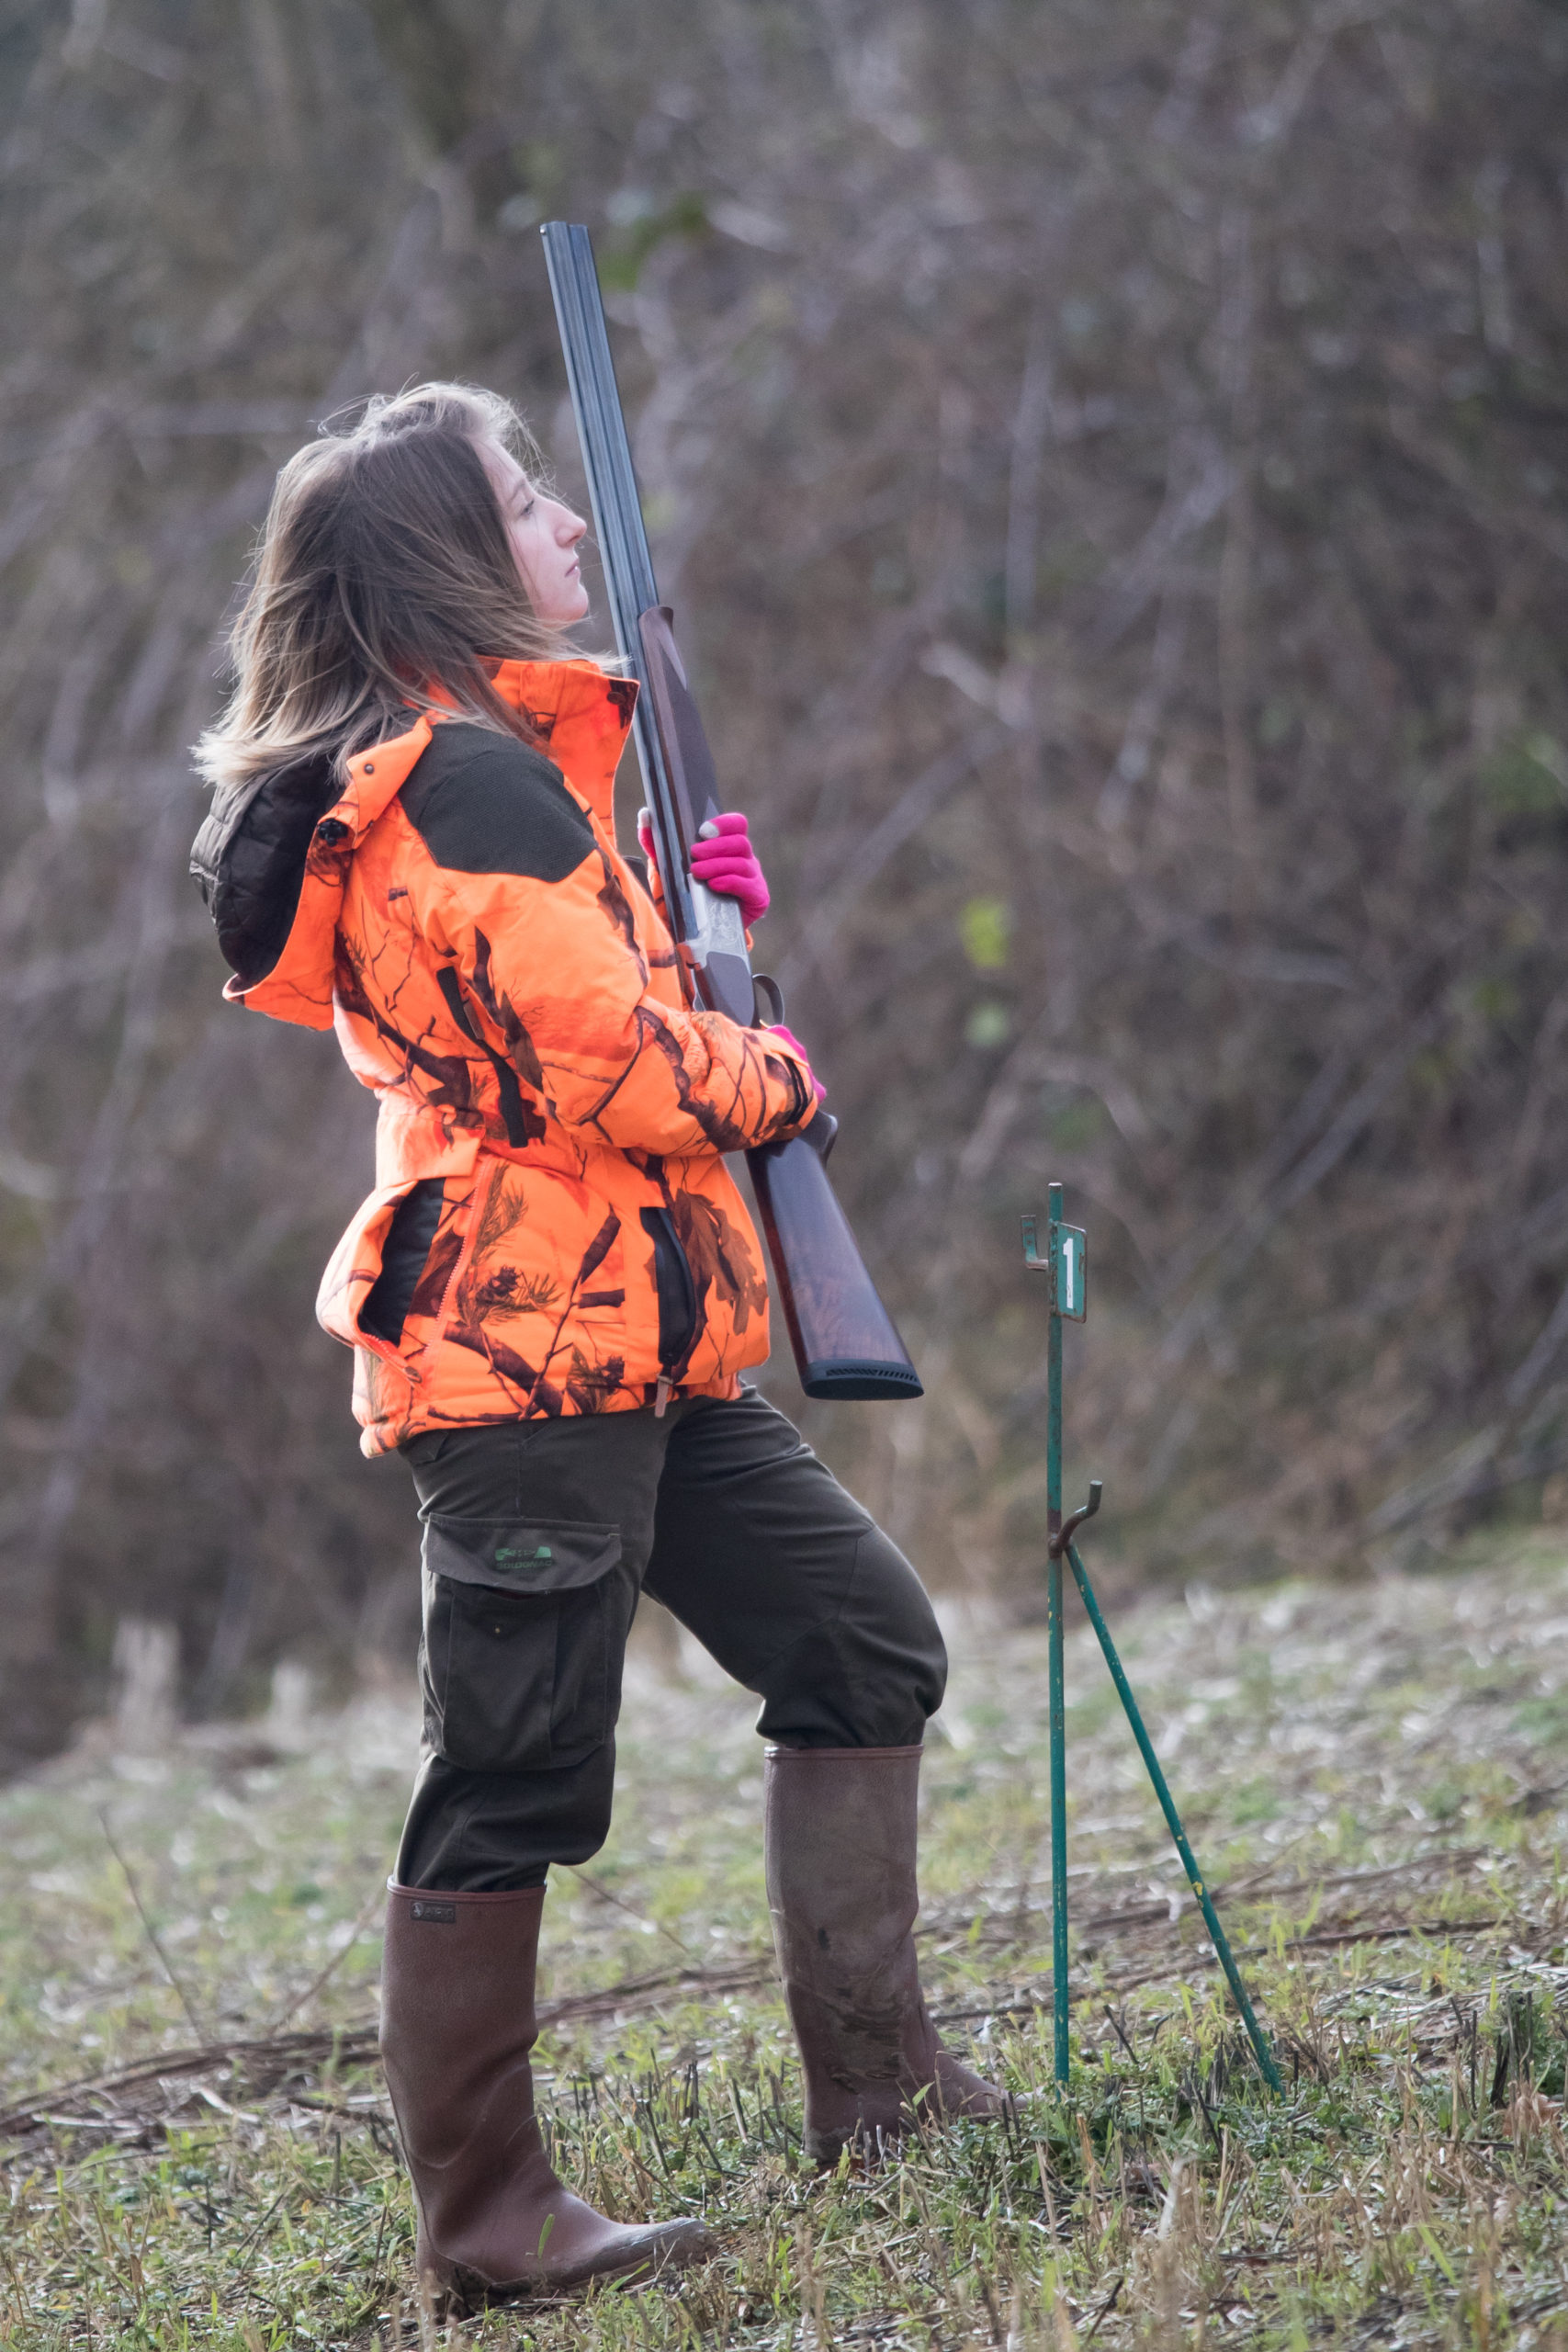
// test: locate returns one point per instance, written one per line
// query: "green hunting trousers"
(539, 1537)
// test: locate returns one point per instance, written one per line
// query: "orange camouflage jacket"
(553, 1228)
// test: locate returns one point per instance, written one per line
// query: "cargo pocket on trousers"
(521, 1658)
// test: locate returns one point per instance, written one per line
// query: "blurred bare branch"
(1110, 467)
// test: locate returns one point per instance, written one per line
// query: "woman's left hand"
(778, 1030)
(723, 858)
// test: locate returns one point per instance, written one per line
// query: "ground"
(197, 2148)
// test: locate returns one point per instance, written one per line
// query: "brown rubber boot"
(839, 1841)
(458, 2023)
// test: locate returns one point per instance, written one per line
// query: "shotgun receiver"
(844, 1340)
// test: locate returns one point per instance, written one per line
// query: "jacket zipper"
(677, 1302)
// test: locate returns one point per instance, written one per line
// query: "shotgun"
(844, 1340)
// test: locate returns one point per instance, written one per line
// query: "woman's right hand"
(723, 858)
(645, 842)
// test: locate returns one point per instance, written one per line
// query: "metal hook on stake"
(1059, 1544)
(1064, 1260)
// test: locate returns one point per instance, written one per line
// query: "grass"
(1374, 1780)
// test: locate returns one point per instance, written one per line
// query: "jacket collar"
(581, 715)
(378, 776)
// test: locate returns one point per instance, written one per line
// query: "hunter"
(553, 1295)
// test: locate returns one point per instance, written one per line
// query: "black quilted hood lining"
(249, 860)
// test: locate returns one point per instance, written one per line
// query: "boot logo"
(437, 1915)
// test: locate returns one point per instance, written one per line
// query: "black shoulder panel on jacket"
(485, 803)
(249, 860)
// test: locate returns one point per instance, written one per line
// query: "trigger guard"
(769, 1004)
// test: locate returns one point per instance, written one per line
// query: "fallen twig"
(1156, 1909)
(279, 2053)
(268, 2060)
(302, 2000)
(641, 1918)
(1126, 1980)
(150, 1932)
(1105, 2309)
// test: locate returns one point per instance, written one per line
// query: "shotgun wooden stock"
(845, 1342)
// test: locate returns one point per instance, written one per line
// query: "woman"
(551, 1295)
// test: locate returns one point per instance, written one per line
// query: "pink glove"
(791, 1039)
(723, 857)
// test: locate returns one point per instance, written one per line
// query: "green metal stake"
(1173, 1822)
(1064, 1262)
(1059, 1695)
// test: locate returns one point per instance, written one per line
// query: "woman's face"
(544, 536)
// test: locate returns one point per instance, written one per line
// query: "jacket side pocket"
(524, 1627)
(355, 1268)
(405, 1253)
(387, 1278)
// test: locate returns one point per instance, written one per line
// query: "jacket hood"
(249, 859)
(273, 854)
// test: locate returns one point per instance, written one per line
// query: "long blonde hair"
(384, 578)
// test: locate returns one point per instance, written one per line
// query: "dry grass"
(1373, 1776)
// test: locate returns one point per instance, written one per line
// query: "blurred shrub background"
(1111, 469)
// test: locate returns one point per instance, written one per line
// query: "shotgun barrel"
(845, 1342)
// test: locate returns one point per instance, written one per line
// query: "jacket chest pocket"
(525, 1627)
